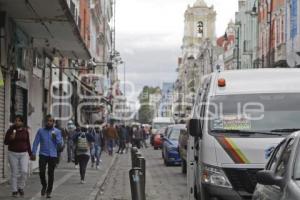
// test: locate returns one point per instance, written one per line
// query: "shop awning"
(51, 25)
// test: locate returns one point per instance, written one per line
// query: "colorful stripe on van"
(233, 150)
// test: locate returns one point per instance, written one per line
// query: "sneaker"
(82, 182)
(14, 194)
(76, 166)
(97, 167)
(100, 161)
(48, 196)
(43, 192)
(21, 192)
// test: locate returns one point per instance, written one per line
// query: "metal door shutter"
(20, 98)
(2, 131)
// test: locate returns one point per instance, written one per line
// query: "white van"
(161, 122)
(238, 118)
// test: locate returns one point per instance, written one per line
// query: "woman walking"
(83, 140)
(17, 139)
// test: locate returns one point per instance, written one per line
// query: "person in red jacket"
(17, 139)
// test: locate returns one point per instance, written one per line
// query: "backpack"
(82, 143)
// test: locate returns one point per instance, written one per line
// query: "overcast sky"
(149, 35)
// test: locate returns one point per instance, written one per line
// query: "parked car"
(160, 131)
(170, 145)
(281, 178)
(183, 142)
(157, 139)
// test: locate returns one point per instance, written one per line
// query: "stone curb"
(96, 191)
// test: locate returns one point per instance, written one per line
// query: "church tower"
(199, 25)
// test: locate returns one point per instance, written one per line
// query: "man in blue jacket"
(49, 139)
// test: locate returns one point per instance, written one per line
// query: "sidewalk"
(117, 185)
(67, 182)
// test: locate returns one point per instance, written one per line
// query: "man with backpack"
(83, 141)
(50, 141)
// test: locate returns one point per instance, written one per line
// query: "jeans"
(122, 146)
(19, 169)
(83, 161)
(43, 162)
(70, 150)
(110, 146)
(96, 154)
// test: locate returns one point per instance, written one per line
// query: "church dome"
(200, 3)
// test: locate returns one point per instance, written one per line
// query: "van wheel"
(183, 166)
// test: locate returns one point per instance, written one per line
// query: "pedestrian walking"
(144, 137)
(137, 137)
(50, 140)
(111, 136)
(60, 148)
(70, 132)
(96, 148)
(17, 139)
(83, 140)
(122, 139)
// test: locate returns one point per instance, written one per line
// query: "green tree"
(146, 111)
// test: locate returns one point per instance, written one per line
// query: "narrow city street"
(214, 83)
(161, 182)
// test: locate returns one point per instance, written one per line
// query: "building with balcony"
(272, 33)
(43, 43)
(246, 31)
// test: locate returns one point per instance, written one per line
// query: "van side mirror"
(267, 177)
(194, 128)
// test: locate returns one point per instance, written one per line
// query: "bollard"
(136, 184)
(137, 155)
(134, 150)
(142, 165)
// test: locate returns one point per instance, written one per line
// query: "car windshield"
(160, 125)
(255, 112)
(174, 135)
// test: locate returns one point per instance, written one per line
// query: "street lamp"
(254, 9)
(124, 74)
